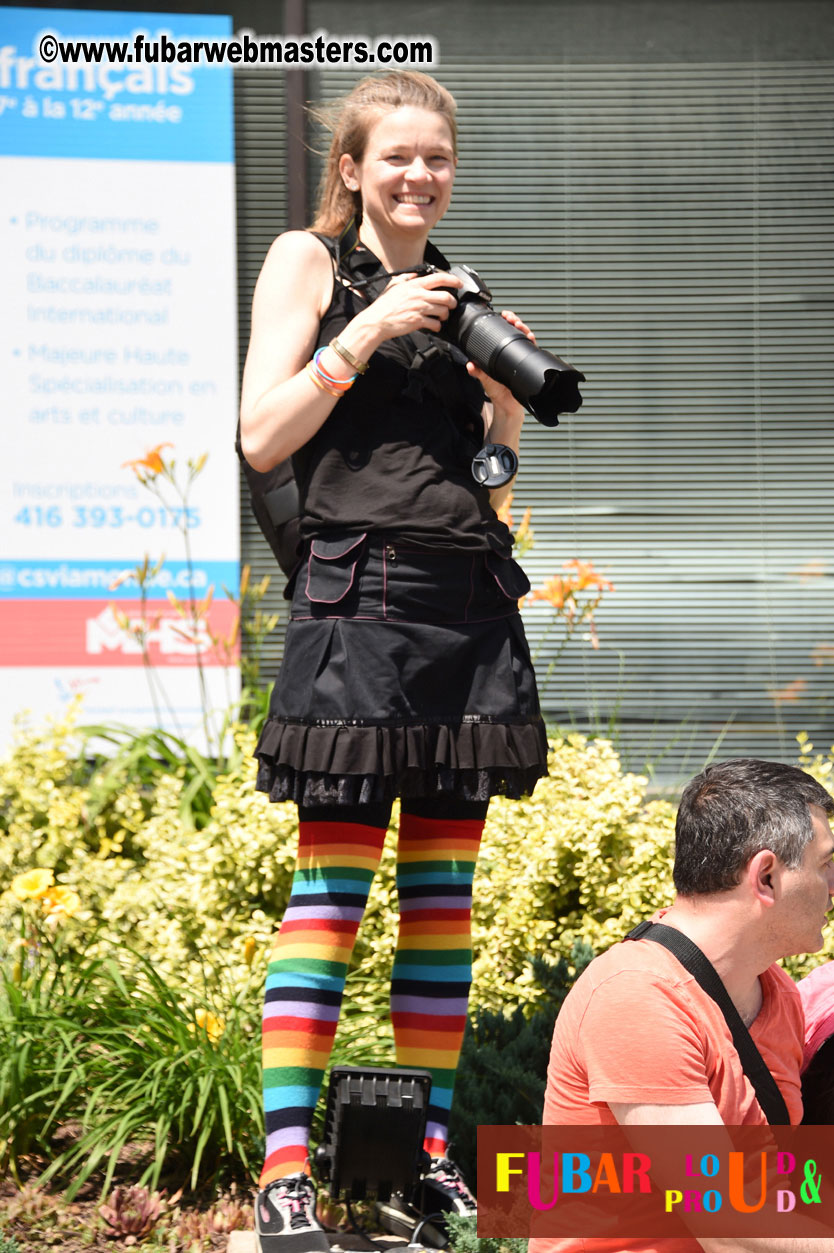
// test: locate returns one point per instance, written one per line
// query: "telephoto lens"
(544, 384)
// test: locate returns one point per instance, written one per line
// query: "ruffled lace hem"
(348, 764)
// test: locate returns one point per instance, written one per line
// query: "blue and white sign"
(117, 335)
(128, 109)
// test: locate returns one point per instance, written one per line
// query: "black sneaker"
(285, 1217)
(443, 1190)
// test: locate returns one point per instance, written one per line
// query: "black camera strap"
(348, 273)
(702, 969)
(432, 359)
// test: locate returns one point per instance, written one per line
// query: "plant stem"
(208, 730)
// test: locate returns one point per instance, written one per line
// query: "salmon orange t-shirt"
(637, 1027)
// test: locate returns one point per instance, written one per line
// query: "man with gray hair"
(640, 1041)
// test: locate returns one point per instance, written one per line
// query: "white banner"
(118, 335)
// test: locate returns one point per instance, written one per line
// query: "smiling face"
(406, 172)
(807, 891)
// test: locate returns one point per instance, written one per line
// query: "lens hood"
(540, 381)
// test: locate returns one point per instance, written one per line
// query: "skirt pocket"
(331, 571)
(509, 576)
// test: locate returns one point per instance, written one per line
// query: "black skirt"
(406, 672)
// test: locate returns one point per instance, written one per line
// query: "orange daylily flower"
(561, 588)
(151, 463)
(60, 902)
(814, 569)
(555, 590)
(524, 527)
(503, 514)
(822, 653)
(792, 692)
(587, 576)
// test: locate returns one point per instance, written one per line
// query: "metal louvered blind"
(665, 225)
(260, 154)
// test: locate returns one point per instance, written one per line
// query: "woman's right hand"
(281, 408)
(409, 303)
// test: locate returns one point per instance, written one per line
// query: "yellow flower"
(249, 947)
(33, 884)
(60, 903)
(211, 1024)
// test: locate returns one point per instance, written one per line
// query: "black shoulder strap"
(699, 965)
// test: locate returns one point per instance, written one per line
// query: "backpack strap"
(701, 968)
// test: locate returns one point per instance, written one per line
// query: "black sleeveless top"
(395, 455)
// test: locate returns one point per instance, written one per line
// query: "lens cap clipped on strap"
(494, 465)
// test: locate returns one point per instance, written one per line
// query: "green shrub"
(463, 1238)
(182, 871)
(190, 896)
(38, 1057)
(162, 1065)
(583, 859)
(132, 1058)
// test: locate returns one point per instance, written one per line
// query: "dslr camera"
(543, 383)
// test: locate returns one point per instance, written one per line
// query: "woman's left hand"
(505, 404)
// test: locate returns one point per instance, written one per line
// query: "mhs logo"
(132, 636)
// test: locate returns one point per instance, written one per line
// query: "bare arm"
(281, 407)
(706, 1112)
(798, 1244)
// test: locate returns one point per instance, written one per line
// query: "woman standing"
(406, 671)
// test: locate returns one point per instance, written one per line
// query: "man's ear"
(761, 874)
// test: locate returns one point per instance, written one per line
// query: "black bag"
(275, 504)
(274, 494)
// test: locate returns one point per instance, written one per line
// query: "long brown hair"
(351, 119)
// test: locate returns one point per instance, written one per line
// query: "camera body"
(543, 383)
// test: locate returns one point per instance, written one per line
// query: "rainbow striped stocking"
(306, 976)
(433, 966)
